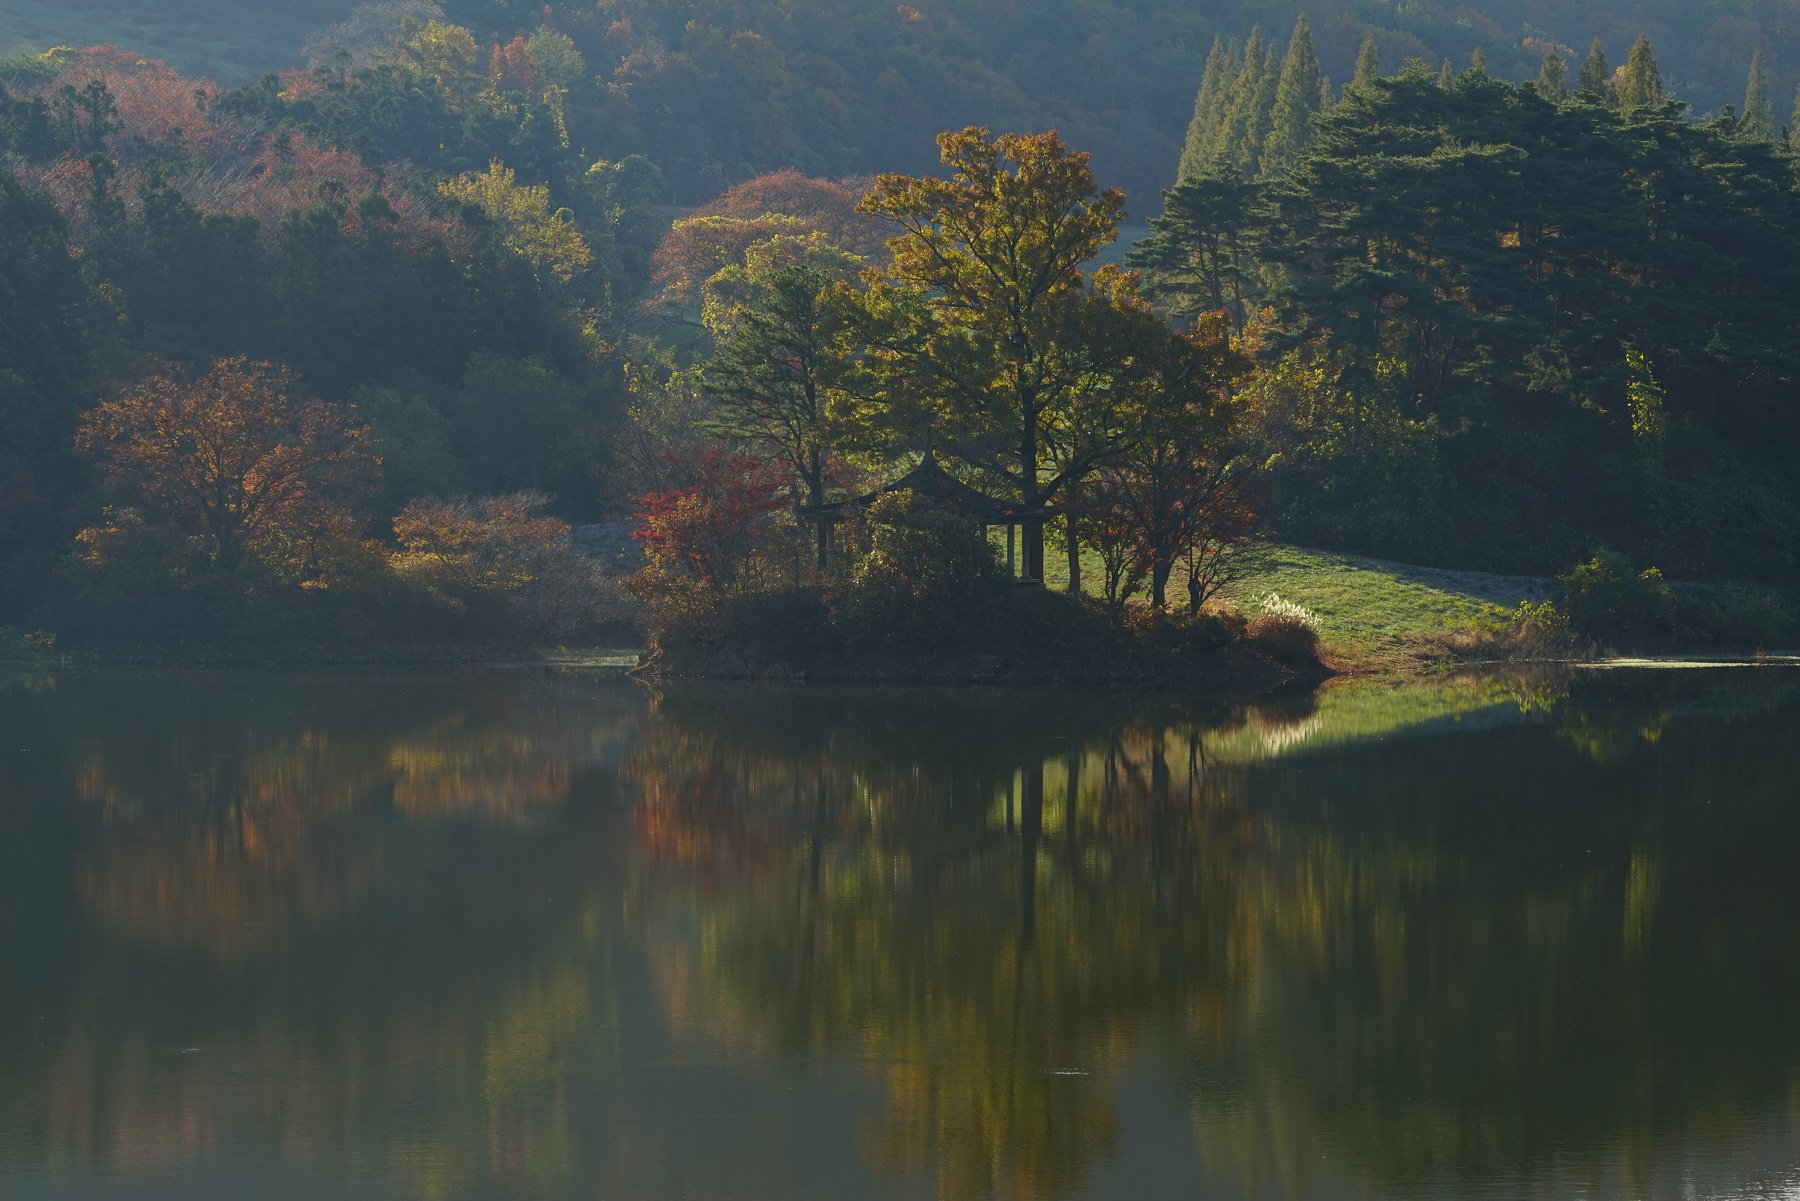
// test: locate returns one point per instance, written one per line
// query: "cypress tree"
(1203, 128)
(1296, 100)
(1241, 134)
(1553, 76)
(1478, 61)
(1759, 107)
(1447, 75)
(1368, 64)
(1641, 84)
(1596, 75)
(1327, 95)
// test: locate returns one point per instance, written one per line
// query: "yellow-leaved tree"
(546, 238)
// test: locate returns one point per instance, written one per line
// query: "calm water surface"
(536, 935)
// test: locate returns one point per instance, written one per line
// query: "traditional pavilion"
(938, 487)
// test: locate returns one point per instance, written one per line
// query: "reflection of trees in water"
(229, 814)
(361, 983)
(1440, 961)
(1503, 957)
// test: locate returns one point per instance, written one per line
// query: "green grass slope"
(1371, 612)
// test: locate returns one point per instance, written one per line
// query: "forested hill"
(719, 90)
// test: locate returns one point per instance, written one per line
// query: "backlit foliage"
(234, 463)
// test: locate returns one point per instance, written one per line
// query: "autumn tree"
(498, 553)
(774, 373)
(234, 461)
(784, 219)
(546, 238)
(1167, 480)
(981, 307)
(709, 530)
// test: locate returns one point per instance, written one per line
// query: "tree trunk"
(1074, 556)
(815, 488)
(1032, 530)
(1159, 582)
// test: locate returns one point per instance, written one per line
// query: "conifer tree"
(1240, 139)
(1296, 100)
(1478, 61)
(1327, 94)
(1368, 64)
(1641, 83)
(1553, 76)
(1447, 75)
(1203, 128)
(1596, 75)
(1759, 107)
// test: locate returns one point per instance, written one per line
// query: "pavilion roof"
(930, 481)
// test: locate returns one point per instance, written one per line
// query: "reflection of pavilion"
(932, 483)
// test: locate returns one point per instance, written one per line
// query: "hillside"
(717, 91)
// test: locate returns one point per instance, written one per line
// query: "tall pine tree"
(1759, 106)
(1209, 105)
(1641, 83)
(1596, 75)
(1296, 100)
(1239, 145)
(1553, 76)
(1368, 63)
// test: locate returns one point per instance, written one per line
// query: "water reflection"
(538, 935)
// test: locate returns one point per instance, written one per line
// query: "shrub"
(1289, 640)
(1274, 605)
(1536, 630)
(1607, 598)
(1745, 618)
(501, 564)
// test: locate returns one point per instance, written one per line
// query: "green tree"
(1478, 61)
(1296, 100)
(1640, 84)
(1759, 106)
(549, 240)
(981, 306)
(1240, 141)
(1553, 75)
(1209, 108)
(1368, 64)
(773, 375)
(1596, 75)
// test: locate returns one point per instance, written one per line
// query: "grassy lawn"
(1370, 611)
(229, 41)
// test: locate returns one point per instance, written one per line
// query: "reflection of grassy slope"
(231, 41)
(1349, 710)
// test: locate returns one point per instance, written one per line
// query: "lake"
(539, 934)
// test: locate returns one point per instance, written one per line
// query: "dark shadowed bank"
(1020, 637)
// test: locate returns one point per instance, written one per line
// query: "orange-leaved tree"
(235, 463)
